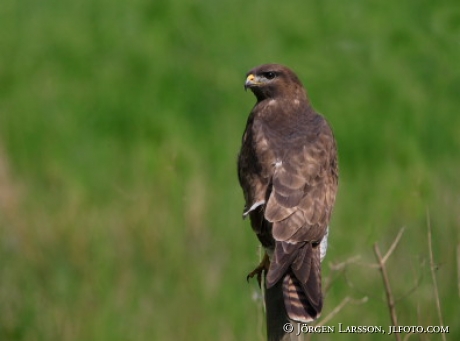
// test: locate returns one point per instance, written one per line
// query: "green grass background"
(120, 122)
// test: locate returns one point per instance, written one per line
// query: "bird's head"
(272, 81)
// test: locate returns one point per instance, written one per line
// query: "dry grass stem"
(433, 275)
(393, 246)
(339, 307)
(386, 282)
(342, 265)
(336, 270)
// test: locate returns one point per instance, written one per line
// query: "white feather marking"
(253, 207)
(323, 245)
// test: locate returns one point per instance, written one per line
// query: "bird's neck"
(288, 106)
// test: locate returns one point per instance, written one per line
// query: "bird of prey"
(288, 170)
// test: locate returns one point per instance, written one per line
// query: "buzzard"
(288, 170)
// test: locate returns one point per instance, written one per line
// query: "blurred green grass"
(120, 211)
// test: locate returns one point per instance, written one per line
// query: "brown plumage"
(288, 170)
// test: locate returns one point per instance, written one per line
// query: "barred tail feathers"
(302, 286)
(300, 272)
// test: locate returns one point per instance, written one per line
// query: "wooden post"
(277, 319)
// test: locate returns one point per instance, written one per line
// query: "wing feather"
(299, 207)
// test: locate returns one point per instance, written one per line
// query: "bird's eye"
(270, 75)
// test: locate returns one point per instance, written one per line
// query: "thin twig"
(386, 283)
(341, 265)
(336, 271)
(338, 308)
(433, 275)
(393, 246)
(388, 254)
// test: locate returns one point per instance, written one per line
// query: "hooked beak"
(250, 81)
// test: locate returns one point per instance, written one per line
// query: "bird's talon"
(259, 270)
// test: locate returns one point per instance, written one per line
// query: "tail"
(300, 269)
